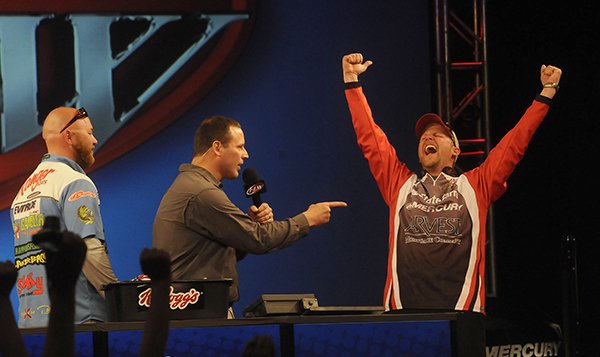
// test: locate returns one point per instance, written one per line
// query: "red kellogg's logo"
(176, 300)
(36, 180)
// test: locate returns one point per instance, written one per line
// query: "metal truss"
(461, 81)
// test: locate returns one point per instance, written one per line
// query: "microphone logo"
(256, 188)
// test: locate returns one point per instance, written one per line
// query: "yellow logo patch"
(85, 215)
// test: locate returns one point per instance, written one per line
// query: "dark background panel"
(286, 89)
(551, 193)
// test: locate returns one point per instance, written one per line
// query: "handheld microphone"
(253, 186)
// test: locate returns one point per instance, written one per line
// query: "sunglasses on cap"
(81, 113)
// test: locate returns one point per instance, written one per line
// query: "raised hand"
(550, 77)
(8, 277)
(64, 266)
(155, 263)
(353, 66)
(11, 342)
(550, 74)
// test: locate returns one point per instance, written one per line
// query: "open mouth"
(430, 149)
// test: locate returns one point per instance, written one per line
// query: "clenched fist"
(353, 66)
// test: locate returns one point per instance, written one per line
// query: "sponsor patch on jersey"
(35, 259)
(37, 179)
(27, 208)
(26, 248)
(28, 312)
(44, 309)
(30, 285)
(28, 225)
(79, 194)
(85, 215)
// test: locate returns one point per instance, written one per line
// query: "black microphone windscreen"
(250, 176)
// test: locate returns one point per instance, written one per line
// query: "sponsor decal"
(432, 240)
(30, 232)
(26, 248)
(453, 206)
(177, 301)
(79, 194)
(255, 188)
(182, 300)
(44, 309)
(36, 180)
(102, 50)
(30, 285)
(85, 215)
(31, 224)
(531, 349)
(25, 207)
(434, 199)
(27, 219)
(32, 259)
(27, 313)
(439, 226)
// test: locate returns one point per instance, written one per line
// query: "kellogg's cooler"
(189, 299)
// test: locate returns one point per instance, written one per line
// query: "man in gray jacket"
(202, 230)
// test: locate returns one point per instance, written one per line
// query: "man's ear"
(67, 136)
(216, 147)
(455, 153)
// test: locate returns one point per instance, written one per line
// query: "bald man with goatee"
(60, 187)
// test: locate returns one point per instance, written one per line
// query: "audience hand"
(64, 266)
(156, 263)
(8, 278)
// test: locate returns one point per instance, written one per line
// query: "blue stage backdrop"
(286, 90)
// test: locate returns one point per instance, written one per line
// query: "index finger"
(336, 204)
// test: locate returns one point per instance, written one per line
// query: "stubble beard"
(430, 163)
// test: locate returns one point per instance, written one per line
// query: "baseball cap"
(432, 118)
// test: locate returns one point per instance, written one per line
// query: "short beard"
(83, 159)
